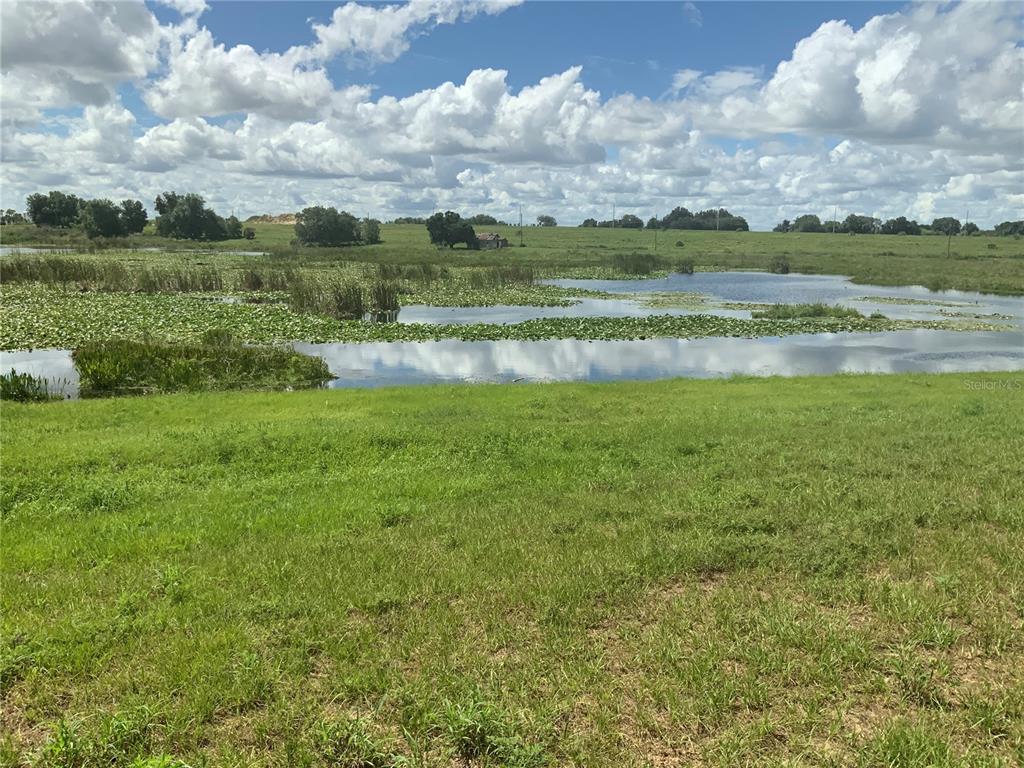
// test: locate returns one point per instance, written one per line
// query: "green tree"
(861, 225)
(133, 216)
(101, 218)
(11, 216)
(1009, 228)
(319, 225)
(807, 223)
(186, 217)
(450, 229)
(546, 221)
(901, 226)
(371, 231)
(482, 219)
(947, 225)
(589, 223)
(783, 226)
(232, 228)
(55, 209)
(653, 223)
(629, 221)
(970, 228)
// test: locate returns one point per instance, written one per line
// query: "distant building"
(490, 240)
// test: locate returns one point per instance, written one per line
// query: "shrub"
(684, 266)
(779, 265)
(249, 233)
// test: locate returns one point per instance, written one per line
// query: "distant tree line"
(901, 225)
(628, 221)
(97, 218)
(1007, 228)
(323, 226)
(679, 218)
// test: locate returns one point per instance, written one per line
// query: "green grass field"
(820, 571)
(989, 264)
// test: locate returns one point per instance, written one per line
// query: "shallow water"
(766, 288)
(377, 364)
(362, 365)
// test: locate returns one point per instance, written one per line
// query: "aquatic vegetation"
(40, 317)
(787, 311)
(383, 297)
(778, 265)
(25, 388)
(684, 266)
(36, 317)
(671, 299)
(636, 263)
(116, 367)
(914, 302)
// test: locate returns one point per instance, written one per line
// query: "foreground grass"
(804, 571)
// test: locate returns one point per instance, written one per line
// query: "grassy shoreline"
(985, 264)
(710, 573)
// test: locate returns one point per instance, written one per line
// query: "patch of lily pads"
(37, 317)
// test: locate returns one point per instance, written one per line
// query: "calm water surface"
(379, 364)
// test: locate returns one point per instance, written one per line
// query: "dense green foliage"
(115, 367)
(321, 225)
(450, 229)
(25, 388)
(718, 219)
(821, 571)
(186, 217)
(55, 209)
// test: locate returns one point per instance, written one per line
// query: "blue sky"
(623, 46)
(770, 109)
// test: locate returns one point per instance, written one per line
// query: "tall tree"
(947, 225)
(450, 229)
(318, 225)
(101, 218)
(55, 209)
(133, 216)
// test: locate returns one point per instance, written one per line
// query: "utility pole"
(718, 214)
(520, 225)
(613, 215)
(835, 214)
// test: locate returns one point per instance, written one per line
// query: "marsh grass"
(116, 368)
(789, 311)
(26, 388)
(383, 297)
(636, 263)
